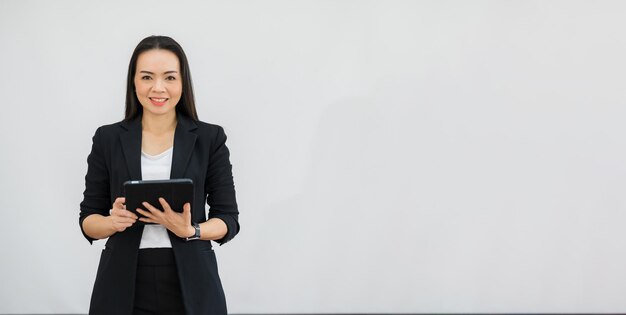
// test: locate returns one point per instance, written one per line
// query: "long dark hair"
(187, 105)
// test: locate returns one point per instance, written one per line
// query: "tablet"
(176, 192)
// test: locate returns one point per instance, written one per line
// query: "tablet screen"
(176, 192)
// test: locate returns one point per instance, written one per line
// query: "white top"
(156, 167)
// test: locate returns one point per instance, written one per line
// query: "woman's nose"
(158, 86)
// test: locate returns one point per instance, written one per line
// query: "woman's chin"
(158, 111)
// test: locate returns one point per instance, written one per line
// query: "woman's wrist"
(98, 226)
(110, 224)
(187, 232)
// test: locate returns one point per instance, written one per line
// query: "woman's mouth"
(158, 101)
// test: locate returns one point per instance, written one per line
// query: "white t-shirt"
(156, 167)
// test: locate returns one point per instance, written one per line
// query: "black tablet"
(176, 192)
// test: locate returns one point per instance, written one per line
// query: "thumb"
(187, 210)
(119, 202)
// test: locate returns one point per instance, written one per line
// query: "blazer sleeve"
(220, 187)
(97, 195)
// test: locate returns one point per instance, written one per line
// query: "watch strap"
(196, 235)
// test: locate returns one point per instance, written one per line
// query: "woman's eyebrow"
(166, 72)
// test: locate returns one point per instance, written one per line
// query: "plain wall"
(389, 156)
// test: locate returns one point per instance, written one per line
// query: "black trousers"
(157, 288)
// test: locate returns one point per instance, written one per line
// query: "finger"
(187, 210)
(166, 206)
(125, 221)
(130, 214)
(150, 207)
(145, 213)
(147, 220)
(123, 213)
(119, 202)
(115, 212)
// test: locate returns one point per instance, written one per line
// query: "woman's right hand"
(120, 218)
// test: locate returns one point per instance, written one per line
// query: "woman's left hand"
(178, 223)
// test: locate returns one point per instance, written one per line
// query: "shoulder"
(208, 128)
(210, 134)
(109, 134)
(114, 128)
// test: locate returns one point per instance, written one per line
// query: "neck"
(158, 123)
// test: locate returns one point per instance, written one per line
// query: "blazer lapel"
(184, 141)
(131, 146)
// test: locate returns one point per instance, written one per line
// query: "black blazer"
(200, 153)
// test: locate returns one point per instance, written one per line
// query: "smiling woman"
(157, 81)
(162, 263)
(159, 66)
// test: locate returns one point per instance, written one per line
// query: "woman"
(168, 267)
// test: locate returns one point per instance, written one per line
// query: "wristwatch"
(196, 235)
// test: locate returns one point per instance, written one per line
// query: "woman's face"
(158, 82)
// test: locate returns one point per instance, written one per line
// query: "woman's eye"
(146, 77)
(170, 78)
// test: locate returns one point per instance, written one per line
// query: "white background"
(423, 156)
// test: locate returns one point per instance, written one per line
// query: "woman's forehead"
(158, 61)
